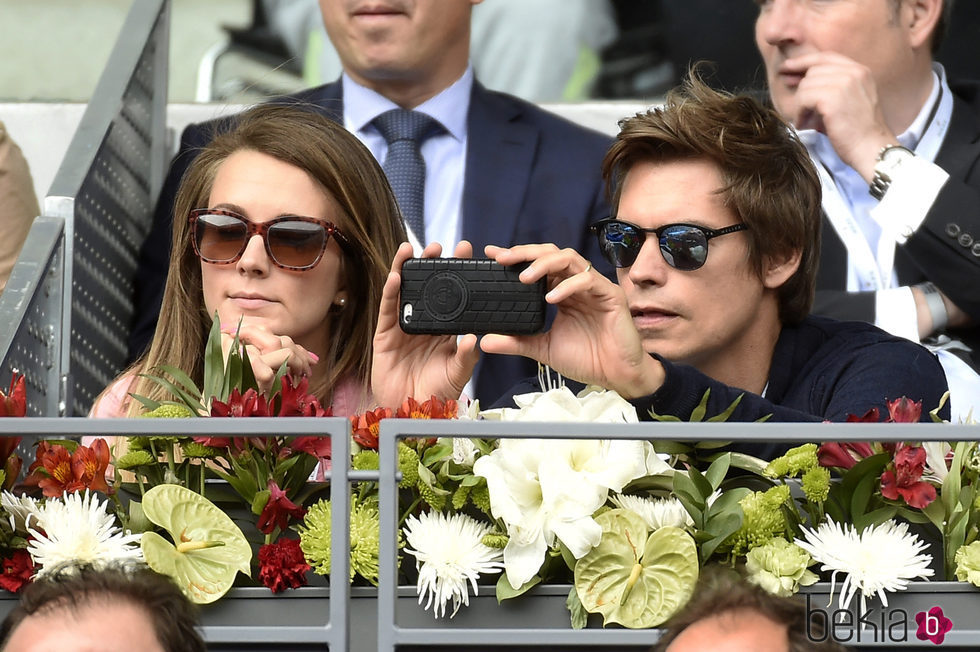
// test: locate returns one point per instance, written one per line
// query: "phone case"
(444, 296)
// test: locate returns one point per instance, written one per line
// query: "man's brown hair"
(721, 592)
(769, 181)
(73, 587)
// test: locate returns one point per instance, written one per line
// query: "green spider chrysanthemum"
(314, 536)
(816, 484)
(796, 461)
(134, 459)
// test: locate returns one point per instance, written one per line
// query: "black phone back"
(445, 296)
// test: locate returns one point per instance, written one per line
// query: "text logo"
(933, 625)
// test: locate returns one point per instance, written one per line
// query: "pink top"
(348, 399)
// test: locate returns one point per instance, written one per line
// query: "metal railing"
(83, 250)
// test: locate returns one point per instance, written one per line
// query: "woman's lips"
(251, 302)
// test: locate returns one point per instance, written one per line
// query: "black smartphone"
(452, 296)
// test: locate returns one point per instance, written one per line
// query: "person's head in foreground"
(716, 228)
(287, 223)
(728, 614)
(102, 609)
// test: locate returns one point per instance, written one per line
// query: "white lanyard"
(875, 273)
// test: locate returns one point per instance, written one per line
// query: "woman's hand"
(267, 351)
(593, 339)
(419, 366)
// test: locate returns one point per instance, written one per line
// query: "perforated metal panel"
(31, 316)
(105, 189)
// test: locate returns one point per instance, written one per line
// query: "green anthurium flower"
(634, 579)
(208, 549)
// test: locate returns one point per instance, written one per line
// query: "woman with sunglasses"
(287, 224)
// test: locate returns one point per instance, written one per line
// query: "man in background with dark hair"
(896, 145)
(95, 609)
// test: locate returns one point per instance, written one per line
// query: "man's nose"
(780, 21)
(650, 267)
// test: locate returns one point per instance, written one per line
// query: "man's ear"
(919, 18)
(778, 269)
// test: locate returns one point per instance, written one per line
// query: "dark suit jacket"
(531, 177)
(946, 247)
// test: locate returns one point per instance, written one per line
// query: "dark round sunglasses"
(292, 242)
(684, 246)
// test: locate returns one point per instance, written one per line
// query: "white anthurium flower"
(548, 489)
(936, 452)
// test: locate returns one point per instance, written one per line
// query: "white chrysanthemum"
(449, 552)
(656, 512)
(882, 558)
(78, 528)
(22, 509)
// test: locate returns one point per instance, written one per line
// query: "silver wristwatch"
(890, 158)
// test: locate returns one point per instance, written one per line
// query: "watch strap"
(934, 301)
(881, 180)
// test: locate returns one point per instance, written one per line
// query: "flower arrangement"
(627, 524)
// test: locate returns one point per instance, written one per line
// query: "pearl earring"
(341, 301)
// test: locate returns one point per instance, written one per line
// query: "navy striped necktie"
(405, 131)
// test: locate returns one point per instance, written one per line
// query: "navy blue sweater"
(822, 370)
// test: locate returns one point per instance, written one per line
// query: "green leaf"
(207, 548)
(698, 413)
(506, 592)
(580, 617)
(718, 470)
(701, 483)
(862, 496)
(684, 485)
(260, 500)
(724, 416)
(722, 527)
(636, 588)
(876, 517)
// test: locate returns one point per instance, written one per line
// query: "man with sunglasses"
(499, 169)
(715, 236)
(897, 146)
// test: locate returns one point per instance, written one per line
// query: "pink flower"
(278, 510)
(906, 480)
(282, 565)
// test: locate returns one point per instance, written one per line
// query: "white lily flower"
(936, 452)
(548, 489)
(592, 404)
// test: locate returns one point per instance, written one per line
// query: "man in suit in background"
(498, 170)
(897, 148)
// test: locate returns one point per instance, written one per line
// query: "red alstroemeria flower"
(365, 427)
(14, 402)
(11, 463)
(318, 447)
(906, 480)
(278, 510)
(213, 442)
(282, 565)
(296, 402)
(17, 571)
(57, 472)
(249, 404)
(843, 455)
(903, 410)
(871, 416)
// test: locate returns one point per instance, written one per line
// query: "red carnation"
(282, 565)
(17, 571)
